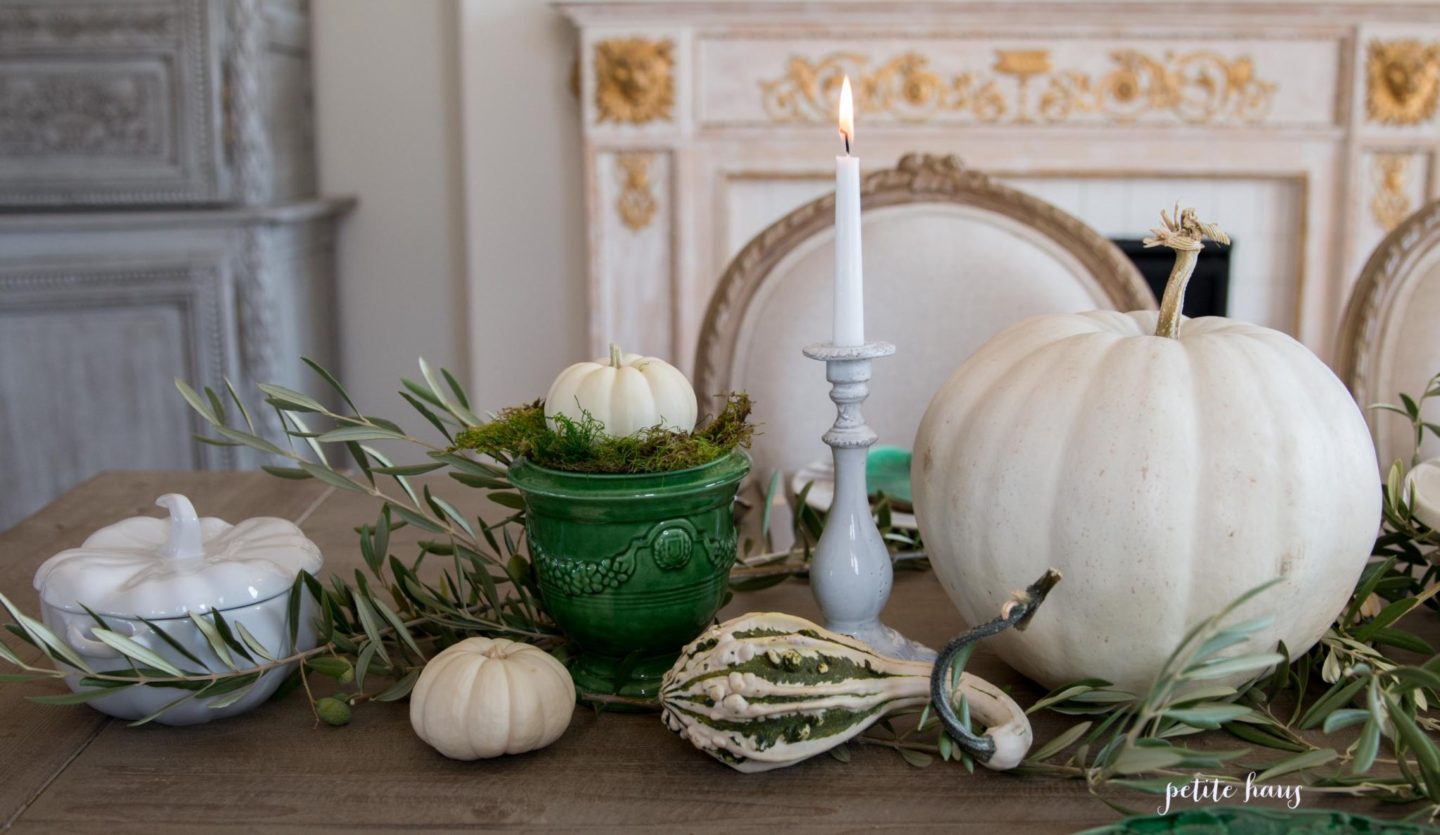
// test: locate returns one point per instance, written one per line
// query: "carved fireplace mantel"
(1310, 129)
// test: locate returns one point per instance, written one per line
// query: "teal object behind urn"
(631, 567)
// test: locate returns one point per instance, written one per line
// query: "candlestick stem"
(851, 573)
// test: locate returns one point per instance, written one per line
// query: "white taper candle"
(849, 325)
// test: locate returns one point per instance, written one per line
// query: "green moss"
(583, 447)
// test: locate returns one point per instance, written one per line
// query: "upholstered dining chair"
(951, 257)
(1390, 333)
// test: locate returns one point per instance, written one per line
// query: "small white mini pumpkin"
(627, 393)
(485, 697)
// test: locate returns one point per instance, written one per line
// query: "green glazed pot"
(631, 567)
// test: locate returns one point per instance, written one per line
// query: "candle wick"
(847, 143)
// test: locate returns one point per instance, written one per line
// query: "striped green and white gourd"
(768, 690)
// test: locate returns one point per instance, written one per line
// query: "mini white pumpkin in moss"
(626, 393)
(1166, 466)
(485, 697)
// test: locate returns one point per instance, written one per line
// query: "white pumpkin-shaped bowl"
(626, 393)
(164, 571)
(485, 697)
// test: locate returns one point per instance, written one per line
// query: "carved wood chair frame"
(916, 179)
(1386, 280)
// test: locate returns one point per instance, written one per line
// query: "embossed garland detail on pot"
(154, 581)
(670, 545)
(1167, 466)
(631, 567)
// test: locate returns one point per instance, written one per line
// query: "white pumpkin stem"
(184, 541)
(615, 361)
(1185, 234)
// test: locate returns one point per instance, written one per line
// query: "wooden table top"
(73, 769)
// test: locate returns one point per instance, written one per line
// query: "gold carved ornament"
(1391, 204)
(1402, 81)
(636, 203)
(1023, 86)
(634, 80)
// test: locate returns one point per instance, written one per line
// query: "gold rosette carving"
(634, 80)
(636, 203)
(1390, 204)
(1402, 81)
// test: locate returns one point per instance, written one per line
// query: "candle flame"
(847, 114)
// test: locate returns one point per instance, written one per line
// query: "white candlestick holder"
(851, 572)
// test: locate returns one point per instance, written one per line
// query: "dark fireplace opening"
(1209, 287)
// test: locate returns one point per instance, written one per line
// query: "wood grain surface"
(70, 769)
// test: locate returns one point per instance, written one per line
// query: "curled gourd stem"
(1007, 739)
(1185, 234)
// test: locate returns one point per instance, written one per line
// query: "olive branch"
(376, 631)
(1309, 707)
(1361, 684)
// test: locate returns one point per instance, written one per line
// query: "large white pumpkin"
(1163, 475)
(485, 697)
(627, 393)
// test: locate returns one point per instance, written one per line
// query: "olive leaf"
(479, 581)
(135, 651)
(1359, 685)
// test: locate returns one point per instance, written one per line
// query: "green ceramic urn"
(631, 567)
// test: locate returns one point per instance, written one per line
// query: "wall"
(496, 183)
(526, 225)
(387, 132)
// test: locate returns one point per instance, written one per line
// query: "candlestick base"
(889, 642)
(851, 573)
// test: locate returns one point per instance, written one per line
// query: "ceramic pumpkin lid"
(166, 568)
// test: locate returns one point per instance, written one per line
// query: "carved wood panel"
(110, 102)
(100, 312)
(142, 102)
(1115, 82)
(1327, 123)
(635, 303)
(87, 353)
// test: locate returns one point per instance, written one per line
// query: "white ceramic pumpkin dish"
(626, 393)
(164, 571)
(1163, 476)
(485, 697)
